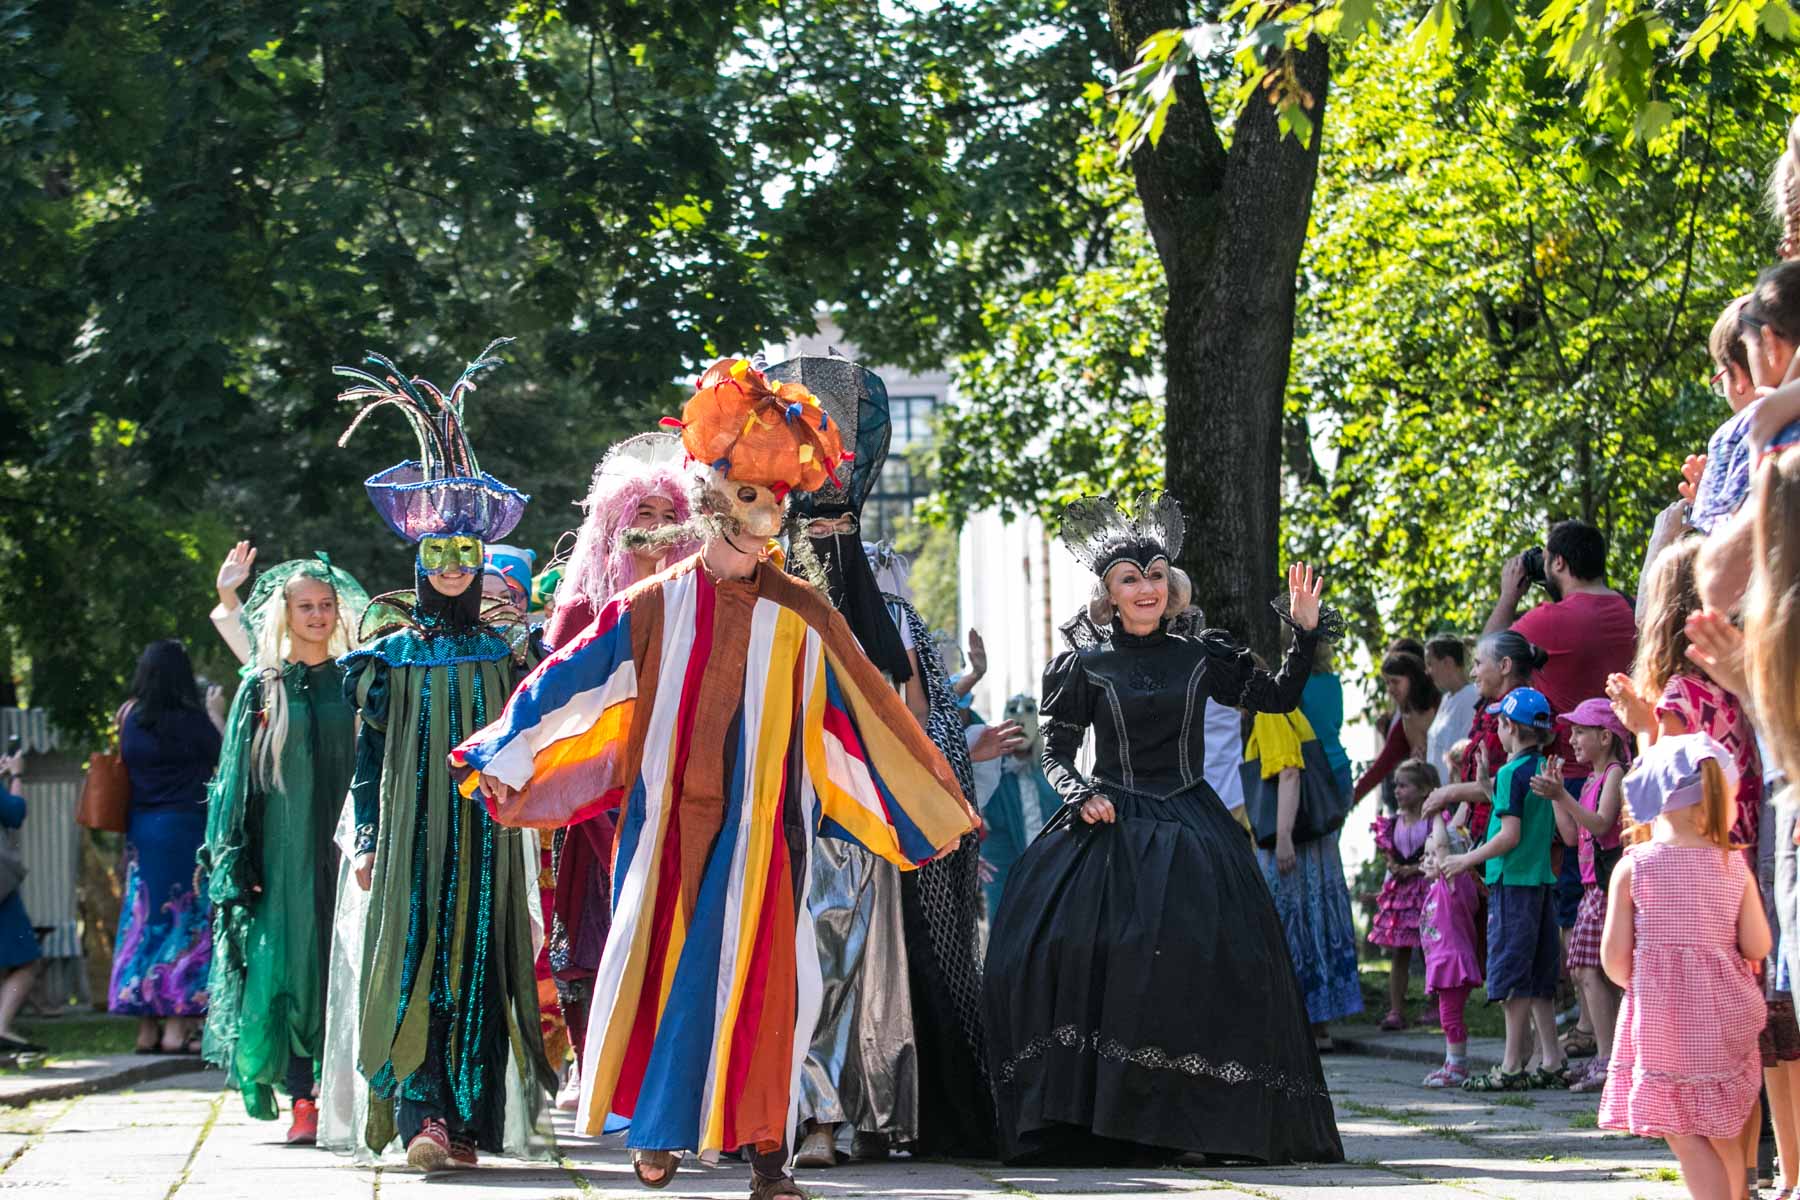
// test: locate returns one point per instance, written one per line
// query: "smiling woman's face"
(1139, 595)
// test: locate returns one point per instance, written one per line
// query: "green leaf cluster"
(203, 206)
(1503, 321)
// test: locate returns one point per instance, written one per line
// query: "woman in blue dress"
(170, 744)
(21, 959)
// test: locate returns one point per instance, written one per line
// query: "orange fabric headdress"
(776, 437)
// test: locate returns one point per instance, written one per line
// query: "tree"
(1501, 320)
(203, 207)
(1504, 322)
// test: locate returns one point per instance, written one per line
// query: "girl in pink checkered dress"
(1591, 824)
(1683, 924)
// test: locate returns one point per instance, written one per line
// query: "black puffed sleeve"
(1233, 678)
(1067, 711)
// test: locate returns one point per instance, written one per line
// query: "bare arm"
(1503, 842)
(1512, 590)
(1723, 569)
(1754, 939)
(1287, 807)
(914, 688)
(1618, 938)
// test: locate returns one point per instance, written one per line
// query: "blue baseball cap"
(1524, 706)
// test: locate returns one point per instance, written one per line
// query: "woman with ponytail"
(1503, 661)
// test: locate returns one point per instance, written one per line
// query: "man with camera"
(1587, 630)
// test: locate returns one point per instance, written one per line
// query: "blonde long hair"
(273, 646)
(1670, 593)
(1772, 609)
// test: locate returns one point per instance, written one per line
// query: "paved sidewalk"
(185, 1139)
(1414, 1045)
(57, 1078)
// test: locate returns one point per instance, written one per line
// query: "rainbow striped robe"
(732, 722)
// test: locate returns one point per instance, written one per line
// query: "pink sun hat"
(1596, 714)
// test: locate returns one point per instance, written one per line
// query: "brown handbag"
(106, 792)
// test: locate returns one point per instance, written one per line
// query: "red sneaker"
(462, 1153)
(429, 1151)
(305, 1129)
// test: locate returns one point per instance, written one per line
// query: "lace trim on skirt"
(1155, 1058)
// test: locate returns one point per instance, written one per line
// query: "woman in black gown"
(1140, 1002)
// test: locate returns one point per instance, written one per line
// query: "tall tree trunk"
(1229, 225)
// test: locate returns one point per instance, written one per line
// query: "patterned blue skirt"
(164, 947)
(1313, 903)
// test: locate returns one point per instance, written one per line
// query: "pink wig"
(650, 464)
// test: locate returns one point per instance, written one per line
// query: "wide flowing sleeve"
(12, 809)
(227, 858)
(1067, 712)
(880, 781)
(366, 679)
(562, 744)
(1233, 678)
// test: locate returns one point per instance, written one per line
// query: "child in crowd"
(1668, 693)
(1524, 947)
(1682, 928)
(1402, 837)
(1450, 936)
(1592, 825)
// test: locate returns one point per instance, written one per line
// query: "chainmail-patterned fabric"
(949, 889)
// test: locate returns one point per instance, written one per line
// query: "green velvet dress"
(448, 997)
(271, 872)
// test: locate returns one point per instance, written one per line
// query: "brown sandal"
(667, 1160)
(762, 1188)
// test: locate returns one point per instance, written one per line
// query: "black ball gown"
(1139, 998)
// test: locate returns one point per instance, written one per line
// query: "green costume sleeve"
(366, 683)
(227, 861)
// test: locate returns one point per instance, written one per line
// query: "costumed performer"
(727, 708)
(895, 1068)
(448, 1005)
(638, 488)
(1140, 998)
(268, 863)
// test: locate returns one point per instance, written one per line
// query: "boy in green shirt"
(1524, 949)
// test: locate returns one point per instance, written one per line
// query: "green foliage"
(1617, 58)
(1064, 397)
(1503, 322)
(934, 552)
(203, 207)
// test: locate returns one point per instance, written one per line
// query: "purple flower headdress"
(443, 492)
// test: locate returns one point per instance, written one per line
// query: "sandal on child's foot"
(1450, 1075)
(1547, 1079)
(1497, 1080)
(1578, 1043)
(1591, 1080)
(1393, 1022)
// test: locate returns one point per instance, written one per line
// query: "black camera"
(1533, 562)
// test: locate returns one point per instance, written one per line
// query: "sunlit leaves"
(1614, 56)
